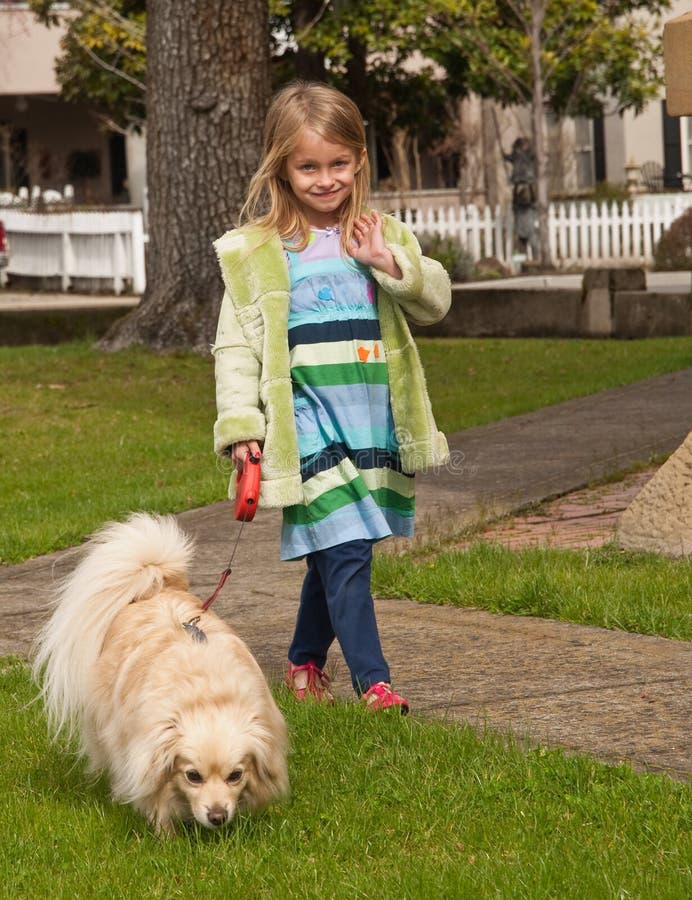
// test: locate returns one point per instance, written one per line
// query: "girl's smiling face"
(321, 176)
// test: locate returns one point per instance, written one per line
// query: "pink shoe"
(316, 683)
(381, 696)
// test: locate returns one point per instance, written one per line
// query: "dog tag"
(195, 633)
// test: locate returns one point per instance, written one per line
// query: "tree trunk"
(492, 152)
(356, 77)
(399, 159)
(304, 15)
(207, 91)
(416, 163)
(538, 132)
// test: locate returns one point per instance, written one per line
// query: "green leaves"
(104, 57)
(587, 50)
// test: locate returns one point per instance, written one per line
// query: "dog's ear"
(268, 781)
(167, 739)
(149, 763)
(267, 769)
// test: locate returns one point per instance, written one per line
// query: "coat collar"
(252, 264)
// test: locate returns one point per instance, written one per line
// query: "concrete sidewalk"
(660, 282)
(24, 301)
(614, 695)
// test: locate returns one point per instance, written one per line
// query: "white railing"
(581, 233)
(107, 245)
(49, 197)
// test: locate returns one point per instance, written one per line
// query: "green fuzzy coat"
(254, 395)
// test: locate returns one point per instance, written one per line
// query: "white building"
(46, 142)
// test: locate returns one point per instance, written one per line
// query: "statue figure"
(523, 179)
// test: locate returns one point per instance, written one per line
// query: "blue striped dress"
(353, 485)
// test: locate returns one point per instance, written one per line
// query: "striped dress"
(353, 485)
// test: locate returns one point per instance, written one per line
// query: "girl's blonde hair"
(300, 105)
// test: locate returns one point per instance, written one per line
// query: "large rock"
(660, 516)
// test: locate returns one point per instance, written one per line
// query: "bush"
(457, 261)
(489, 268)
(674, 250)
(606, 192)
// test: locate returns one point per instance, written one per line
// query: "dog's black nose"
(216, 816)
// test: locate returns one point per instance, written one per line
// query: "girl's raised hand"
(368, 246)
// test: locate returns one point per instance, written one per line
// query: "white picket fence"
(581, 233)
(107, 245)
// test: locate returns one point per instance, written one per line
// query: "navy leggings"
(336, 602)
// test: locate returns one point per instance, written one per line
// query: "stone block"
(503, 312)
(595, 314)
(638, 314)
(627, 279)
(660, 516)
(595, 278)
(614, 279)
(599, 286)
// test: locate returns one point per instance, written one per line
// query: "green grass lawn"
(89, 437)
(638, 592)
(472, 382)
(381, 806)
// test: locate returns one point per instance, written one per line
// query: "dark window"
(672, 157)
(116, 144)
(600, 170)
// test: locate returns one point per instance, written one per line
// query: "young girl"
(316, 370)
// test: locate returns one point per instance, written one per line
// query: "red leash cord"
(247, 496)
(224, 575)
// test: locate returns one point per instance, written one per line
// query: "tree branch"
(559, 26)
(112, 125)
(311, 24)
(516, 83)
(519, 13)
(108, 67)
(108, 14)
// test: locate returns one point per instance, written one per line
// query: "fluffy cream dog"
(165, 698)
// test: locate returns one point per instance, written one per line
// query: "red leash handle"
(247, 489)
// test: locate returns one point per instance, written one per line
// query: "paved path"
(614, 695)
(659, 282)
(21, 301)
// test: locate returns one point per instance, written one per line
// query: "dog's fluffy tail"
(124, 562)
